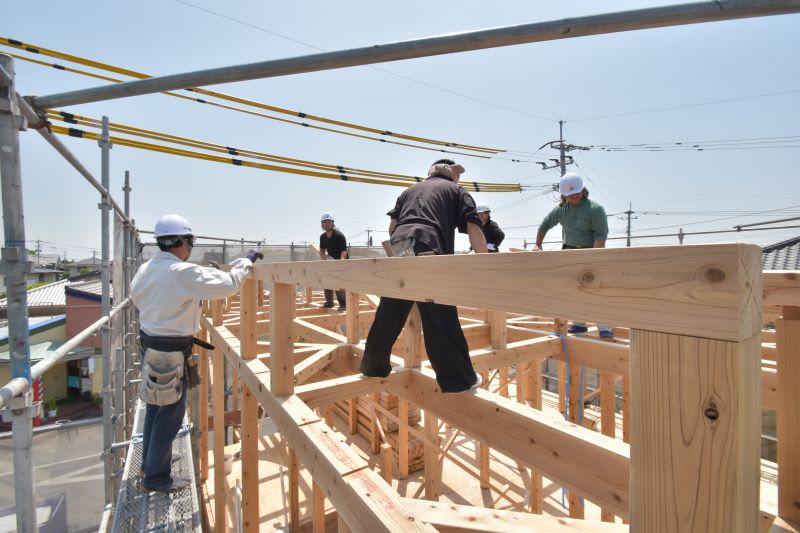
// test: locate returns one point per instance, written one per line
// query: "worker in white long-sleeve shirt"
(167, 291)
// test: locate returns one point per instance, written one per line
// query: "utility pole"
(629, 212)
(369, 237)
(562, 147)
(38, 252)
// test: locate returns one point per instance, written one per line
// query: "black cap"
(444, 162)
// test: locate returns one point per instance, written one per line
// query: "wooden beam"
(313, 333)
(281, 338)
(344, 388)
(781, 288)
(317, 362)
(515, 353)
(788, 343)
(593, 464)
(691, 290)
(452, 517)
(695, 439)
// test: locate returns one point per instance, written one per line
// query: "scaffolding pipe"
(637, 19)
(15, 266)
(105, 171)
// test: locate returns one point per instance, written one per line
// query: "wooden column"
(386, 462)
(560, 328)
(498, 338)
(433, 467)
(218, 407)
(352, 299)
(626, 409)
(374, 430)
(695, 433)
(413, 338)
(788, 360)
(294, 491)
(352, 415)
(309, 294)
(402, 439)
(281, 326)
(249, 429)
(318, 509)
(203, 407)
(608, 422)
(533, 395)
(574, 415)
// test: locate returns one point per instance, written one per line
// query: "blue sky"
(605, 88)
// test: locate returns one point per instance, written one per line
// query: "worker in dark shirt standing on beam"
(491, 230)
(423, 222)
(332, 245)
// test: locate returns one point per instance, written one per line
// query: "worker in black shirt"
(332, 245)
(494, 235)
(423, 222)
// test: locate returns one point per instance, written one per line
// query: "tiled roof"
(782, 256)
(50, 294)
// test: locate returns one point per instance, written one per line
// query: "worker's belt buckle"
(429, 252)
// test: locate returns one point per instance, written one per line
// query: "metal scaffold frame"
(16, 113)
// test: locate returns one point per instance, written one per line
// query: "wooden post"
(352, 300)
(309, 294)
(788, 360)
(318, 509)
(294, 491)
(329, 414)
(260, 289)
(203, 407)
(386, 462)
(695, 433)
(374, 431)
(626, 409)
(485, 472)
(218, 407)
(248, 350)
(281, 327)
(352, 415)
(608, 422)
(533, 395)
(575, 416)
(560, 328)
(413, 338)
(402, 439)
(433, 468)
(342, 526)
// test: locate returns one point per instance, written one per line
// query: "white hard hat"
(169, 225)
(326, 216)
(483, 209)
(570, 184)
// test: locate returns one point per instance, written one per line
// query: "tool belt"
(570, 247)
(166, 363)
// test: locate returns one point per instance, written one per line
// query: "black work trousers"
(340, 297)
(444, 341)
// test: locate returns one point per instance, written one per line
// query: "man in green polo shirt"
(583, 223)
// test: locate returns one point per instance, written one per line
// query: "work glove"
(253, 255)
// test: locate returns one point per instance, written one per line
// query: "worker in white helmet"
(491, 230)
(584, 225)
(332, 245)
(167, 291)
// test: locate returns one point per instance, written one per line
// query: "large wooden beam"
(782, 288)
(691, 290)
(593, 464)
(695, 434)
(309, 366)
(452, 517)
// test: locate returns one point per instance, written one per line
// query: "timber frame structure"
(694, 365)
